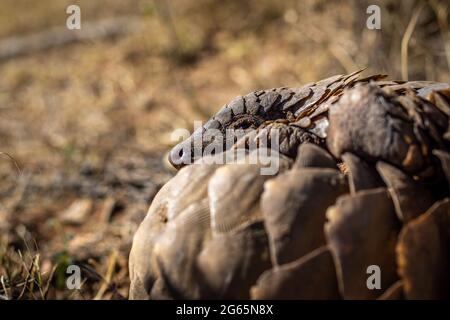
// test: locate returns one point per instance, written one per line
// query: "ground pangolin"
(362, 185)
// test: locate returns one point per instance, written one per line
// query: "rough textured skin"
(302, 108)
(363, 180)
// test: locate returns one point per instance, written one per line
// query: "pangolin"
(362, 185)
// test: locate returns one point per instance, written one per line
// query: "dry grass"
(90, 122)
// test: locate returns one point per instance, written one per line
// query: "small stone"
(78, 212)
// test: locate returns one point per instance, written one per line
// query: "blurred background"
(86, 116)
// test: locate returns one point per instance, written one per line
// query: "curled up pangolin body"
(363, 180)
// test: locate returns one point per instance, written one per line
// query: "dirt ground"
(85, 126)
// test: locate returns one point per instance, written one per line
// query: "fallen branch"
(61, 36)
